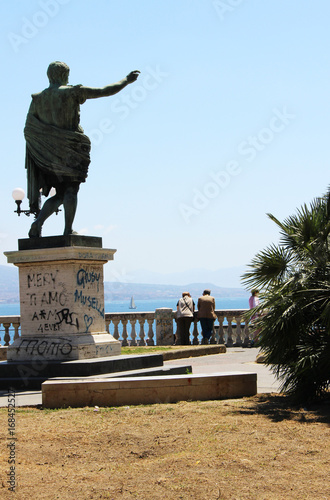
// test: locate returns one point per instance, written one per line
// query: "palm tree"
(293, 318)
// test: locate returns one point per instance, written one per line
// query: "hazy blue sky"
(229, 120)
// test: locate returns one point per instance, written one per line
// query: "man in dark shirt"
(206, 315)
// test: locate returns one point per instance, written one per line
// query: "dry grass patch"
(249, 448)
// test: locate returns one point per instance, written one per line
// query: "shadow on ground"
(278, 407)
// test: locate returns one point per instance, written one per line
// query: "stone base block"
(63, 348)
(3, 353)
(147, 390)
(260, 358)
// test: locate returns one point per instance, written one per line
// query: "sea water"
(120, 306)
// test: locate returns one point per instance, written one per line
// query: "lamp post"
(18, 194)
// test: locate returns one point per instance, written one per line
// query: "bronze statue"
(57, 150)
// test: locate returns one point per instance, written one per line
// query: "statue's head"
(58, 72)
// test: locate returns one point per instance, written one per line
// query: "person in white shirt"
(184, 316)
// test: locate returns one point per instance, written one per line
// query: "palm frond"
(269, 267)
(293, 320)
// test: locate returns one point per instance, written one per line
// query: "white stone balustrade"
(9, 329)
(131, 322)
(139, 328)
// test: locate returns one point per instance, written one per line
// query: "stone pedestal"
(164, 326)
(62, 300)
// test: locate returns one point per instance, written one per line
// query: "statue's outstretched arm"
(108, 90)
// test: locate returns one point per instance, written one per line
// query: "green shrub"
(293, 321)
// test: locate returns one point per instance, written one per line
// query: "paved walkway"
(235, 359)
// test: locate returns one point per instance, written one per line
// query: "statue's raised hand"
(132, 76)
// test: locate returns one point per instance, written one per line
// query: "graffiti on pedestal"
(86, 294)
(88, 322)
(66, 299)
(84, 278)
(47, 298)
(43, 347)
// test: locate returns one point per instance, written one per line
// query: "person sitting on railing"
(184, 317)
(206, 315)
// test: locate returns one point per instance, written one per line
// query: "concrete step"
(147, 390)
(32, 374)
(34, 383)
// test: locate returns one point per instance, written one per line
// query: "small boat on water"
(132, 304)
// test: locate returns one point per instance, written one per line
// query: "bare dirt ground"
(250, 448)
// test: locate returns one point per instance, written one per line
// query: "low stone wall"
(147, 390)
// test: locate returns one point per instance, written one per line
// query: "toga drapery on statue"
(44, 163)
(57, 150)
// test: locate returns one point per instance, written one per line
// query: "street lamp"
(19, 195)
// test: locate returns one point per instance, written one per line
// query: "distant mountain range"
(115, 290)
(226, 277)
(144, 291)
(9, 292)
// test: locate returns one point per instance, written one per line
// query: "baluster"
(150, 340)
(247, 334)
(107, 324)
(142, 334)
(6, 336)
(116, 331)
(16, 334)
(212, 338)
(133, 332)
(238, 341)
(195, 332)
(230, 331)
(221, 330)
(125, 335)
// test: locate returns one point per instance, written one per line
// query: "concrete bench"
(146, 390)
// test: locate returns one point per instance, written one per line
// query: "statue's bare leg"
(70, 200)
(50, 206)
